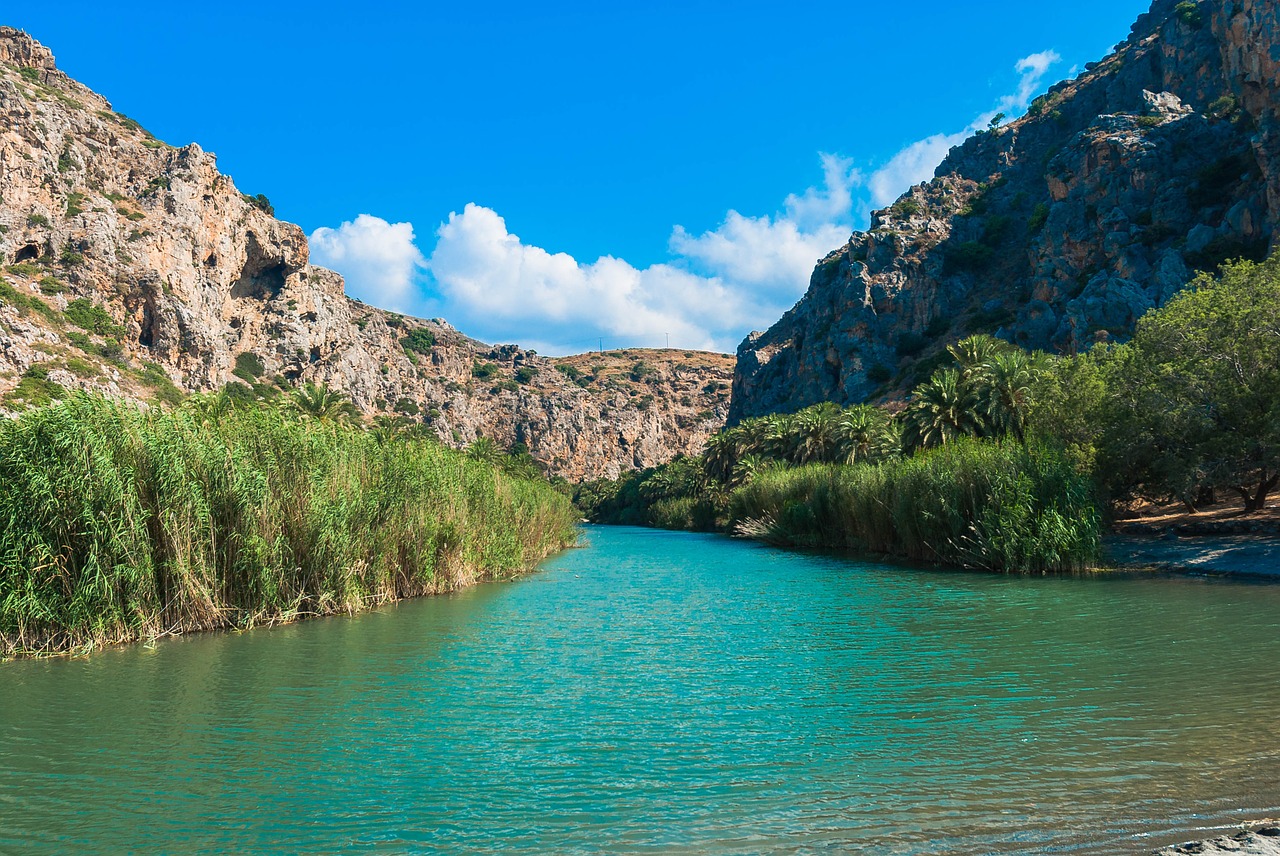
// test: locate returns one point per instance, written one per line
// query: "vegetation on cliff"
(122, 524)
(1003, 458)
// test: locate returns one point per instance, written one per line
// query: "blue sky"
(667, 167)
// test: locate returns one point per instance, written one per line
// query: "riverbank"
(1261, 839)
(124, 525)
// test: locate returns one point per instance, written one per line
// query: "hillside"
(1058, 230)
(137, 269)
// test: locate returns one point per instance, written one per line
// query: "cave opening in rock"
(263, 275)
(28, 253)
(260, 284)
(212, 260)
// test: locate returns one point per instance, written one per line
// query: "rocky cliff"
(138, 269)
(1058, 230)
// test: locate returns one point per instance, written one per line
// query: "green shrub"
(37, 221)
(1039, 216)
(249, 367)
(30, 75)
(262, 203)
(89, 316)
(526, 374)
(569, 371)
(1189, 13)
(420, 340)
(969, 257)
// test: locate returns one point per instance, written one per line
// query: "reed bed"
(998, 506)
(119, 525)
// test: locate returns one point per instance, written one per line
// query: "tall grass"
(118, 524)
(981, 504)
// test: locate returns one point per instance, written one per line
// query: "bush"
(526, 374)
(262, 203)
(1039, 216)
(122, 524)
(91, 317)
(1189, 13)
(969, 257)
(249, 367)
(420, 340)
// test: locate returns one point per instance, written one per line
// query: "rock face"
(138, 269)
(1058, 230)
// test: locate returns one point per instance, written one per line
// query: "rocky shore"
(1262, 840)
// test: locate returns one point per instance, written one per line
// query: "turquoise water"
(670, 693)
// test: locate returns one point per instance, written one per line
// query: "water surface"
(671, 693)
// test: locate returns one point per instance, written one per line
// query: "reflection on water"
(663, 692)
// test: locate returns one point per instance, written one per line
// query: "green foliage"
(249, 367)
(570, 371)
(163, 389)
(37, 221)
(73, 204)
(26, 270)
(641, 370)
(905, 207)
(484, 371)
(1039, 216)
(407, 406)
(27, 304)
(1193, 400)
(420, 340)
(1226, 107)
(998, 506)
(89, 316)
(30, 75)
(526, 374)
(34, 389)
(1188, 12)
(1215, 184)
(51, 285)
(70, 258)
(123, 524)
(262, 203)
(968, 257)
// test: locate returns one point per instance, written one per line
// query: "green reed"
(982, 504)
(118, 524)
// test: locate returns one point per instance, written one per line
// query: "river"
(659, 692)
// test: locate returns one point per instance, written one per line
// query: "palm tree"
(813, 434)
(864, 434)
(763, 437)
(320, 402)
(722, 453)
(976, 351)
(1003, 392)
(941, 410)
(485, 450)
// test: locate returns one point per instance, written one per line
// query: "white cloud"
(918, 161)
(494, 285)
(719, 284)
(380, 261)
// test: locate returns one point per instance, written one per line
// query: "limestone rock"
(1058, 230)
(136, 268)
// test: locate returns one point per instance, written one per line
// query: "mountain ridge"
(137, 269)
(1057, 230)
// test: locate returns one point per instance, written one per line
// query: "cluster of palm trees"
(987, 392)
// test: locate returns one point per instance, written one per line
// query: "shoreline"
(460, 583)
(1255, 838)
